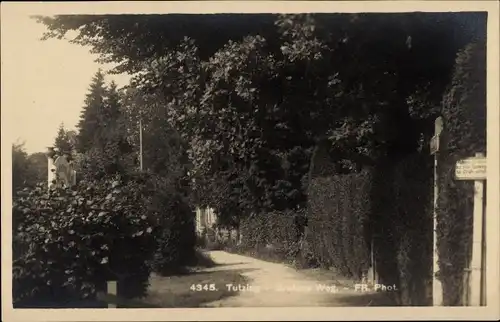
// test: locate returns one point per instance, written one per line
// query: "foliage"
(337, 238)
(391, 206)
(413, 228)
(464, 134)
(63, 141)
(68, 243)
(102, 137)
(177, 240)
(90, 116)
(39, 167)
(165, 158)
(27, 170)
(255, 105)
(20, 166)
(253, 102)
(164, 152)
(275, 236)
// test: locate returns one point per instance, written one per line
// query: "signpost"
(140, 144)
(434, 144)
(437, 288)
(475, 169)
(471, 169)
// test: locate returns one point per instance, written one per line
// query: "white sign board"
(471, 169)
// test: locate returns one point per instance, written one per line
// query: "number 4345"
(203, 287)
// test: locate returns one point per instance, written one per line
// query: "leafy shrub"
(68, 242)
(177, 238)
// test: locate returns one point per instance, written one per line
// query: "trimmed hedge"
(338, 209)
(68, 242)
(464, 134)
(391, 204)
(273, 236)
(413, 227)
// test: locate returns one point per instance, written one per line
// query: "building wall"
(205, 218)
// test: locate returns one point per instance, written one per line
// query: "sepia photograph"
(203, 160)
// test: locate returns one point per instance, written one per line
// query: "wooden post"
(140, 143)
(477, 243)
(475, 169)
(483, 256)
(437, 288)
(374, 265)
(112, 290)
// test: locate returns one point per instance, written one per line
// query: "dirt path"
(276, 285)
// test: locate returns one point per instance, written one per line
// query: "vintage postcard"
(250, 160)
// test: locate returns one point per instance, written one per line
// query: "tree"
(20, 166)
(91, 117)
(27, 170)
(165, 159)
(63, 142)
(164, 151)
(254, 108)
(109, 151)
(39, 166)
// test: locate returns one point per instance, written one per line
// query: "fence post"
(475, 169)
(437, 288)
(112, 290)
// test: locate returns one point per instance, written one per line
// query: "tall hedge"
(338, 207)
(274, 236)
(68, 242)
(464, 134)
(413, 226)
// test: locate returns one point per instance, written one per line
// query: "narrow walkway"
(277, 285)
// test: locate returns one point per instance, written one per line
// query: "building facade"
(205, 219)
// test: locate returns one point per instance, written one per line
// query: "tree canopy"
(253, 96)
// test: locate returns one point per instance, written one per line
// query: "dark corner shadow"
(169, 292)
(102, 302)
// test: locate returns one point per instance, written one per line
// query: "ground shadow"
(359, 300)
(230, 264)
(102, 302)
(205, 272)
(179, 291)
(46, 304)
(192, 290)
